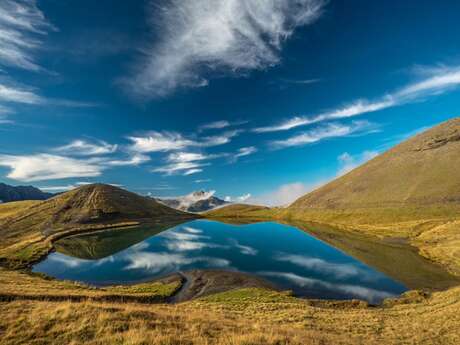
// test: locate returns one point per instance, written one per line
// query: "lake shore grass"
(37, 310)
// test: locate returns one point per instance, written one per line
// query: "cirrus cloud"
(198, 37)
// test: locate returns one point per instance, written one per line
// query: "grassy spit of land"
(36, 310)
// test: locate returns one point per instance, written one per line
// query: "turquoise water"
(283, 255)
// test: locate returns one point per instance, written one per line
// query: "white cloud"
(198, 37)
(135, 159)
(221, 139)
(9, 93)
(186, 157)
(220, 125)
(187, 168)
(244, 151)
(173, 141)
(435, 81)
(215, 125)
(41, 167)
(160, 141)
(349, 162)
(284, 195)
(244, 197)
(85, 148)
(192, 171)
(21, 25)
(327, 131)
(203, 180)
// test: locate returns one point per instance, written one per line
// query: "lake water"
(282, 254)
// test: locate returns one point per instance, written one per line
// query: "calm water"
(282, 254)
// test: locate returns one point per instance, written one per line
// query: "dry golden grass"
(442, 244)
(249, 316)
(35, 310)
(11, 208)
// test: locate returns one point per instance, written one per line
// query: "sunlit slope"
(422, 171)
(11, 208)
(237, 210)
(89, 204)
(26, 234)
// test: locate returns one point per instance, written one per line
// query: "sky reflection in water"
(282, 254)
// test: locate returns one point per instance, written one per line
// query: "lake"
(283, 255)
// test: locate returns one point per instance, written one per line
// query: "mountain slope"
(86, 205)
(19, 193)
(422, 171)
(196, 202)
(238, 210)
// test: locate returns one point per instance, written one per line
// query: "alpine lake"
(281, 254)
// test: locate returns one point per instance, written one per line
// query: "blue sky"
(260, 101)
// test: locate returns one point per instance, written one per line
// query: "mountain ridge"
(10, 193)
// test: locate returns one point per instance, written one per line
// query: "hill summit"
(95, 203)
(422, 171)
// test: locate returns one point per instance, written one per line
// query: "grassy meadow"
(38, 310)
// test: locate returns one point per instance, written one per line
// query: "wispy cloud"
(133, 160)
(198, 37)
(192, 172)
(205, 180)
(220, 125)
(186, 168)
(244, 151)
(22, 25)
(173, 141)
(186, 163)
(85, 148)
(434, 81)
(10, 93)
(327, 131)
(215, 125)
(244, 197)
(41, 167)
(160, 141)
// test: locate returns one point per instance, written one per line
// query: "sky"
(259, 101)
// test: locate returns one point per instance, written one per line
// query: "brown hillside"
(422, 171)
(91, 204)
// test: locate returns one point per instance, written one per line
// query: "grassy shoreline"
(48, 311)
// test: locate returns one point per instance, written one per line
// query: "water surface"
(281, 254)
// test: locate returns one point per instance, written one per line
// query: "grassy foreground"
(36, 310)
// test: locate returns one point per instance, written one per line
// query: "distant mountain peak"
(198, 201)
(19, 193)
